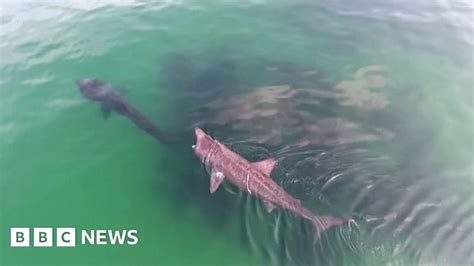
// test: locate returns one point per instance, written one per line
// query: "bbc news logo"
(66, 237)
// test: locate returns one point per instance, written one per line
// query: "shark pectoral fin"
(322, 223)
(105, 111)
(216, 180)
(269, 206)
(266, 166)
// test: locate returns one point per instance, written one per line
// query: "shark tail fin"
(322, 223)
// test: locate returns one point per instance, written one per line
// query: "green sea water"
(63, 165)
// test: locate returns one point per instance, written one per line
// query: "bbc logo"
(42, 237)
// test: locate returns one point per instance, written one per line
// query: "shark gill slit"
(205, 160)
(248, 188)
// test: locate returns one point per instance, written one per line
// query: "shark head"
(93, 89)
(204, 144)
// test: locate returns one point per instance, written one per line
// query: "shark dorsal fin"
(266, 166)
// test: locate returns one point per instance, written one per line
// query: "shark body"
(112, 100)
(253, 178)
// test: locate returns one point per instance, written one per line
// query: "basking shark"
(112, 100)
(253, 178)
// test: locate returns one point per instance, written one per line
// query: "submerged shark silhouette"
(253, 178)
(112, 100)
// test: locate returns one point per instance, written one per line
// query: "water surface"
(366, 105)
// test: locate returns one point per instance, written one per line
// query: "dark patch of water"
(369, 156)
